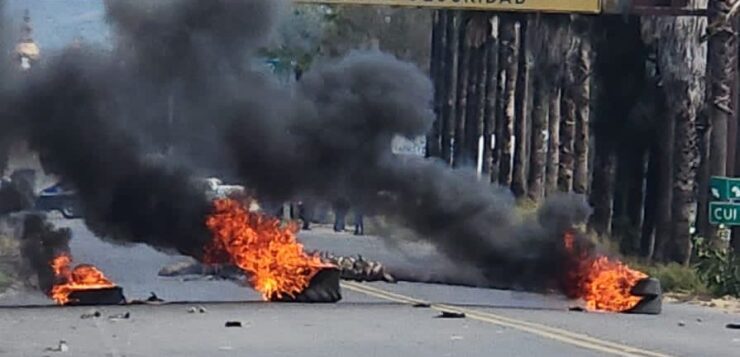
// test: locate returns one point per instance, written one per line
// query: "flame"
(274, 260)
(603, 283)
(82, 277)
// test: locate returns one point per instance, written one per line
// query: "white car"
(215, 189)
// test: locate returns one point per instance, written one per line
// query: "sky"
(58, 22)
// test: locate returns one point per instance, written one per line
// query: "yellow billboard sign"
(571, 6)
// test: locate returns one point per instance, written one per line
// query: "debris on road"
(451, 315)
(91, 314)
(202, 271)
(153, 299)
(198, 309)
(681, 324)
(350, 268)
(61, 347)
(233, 324)
(734, 326)
(358, 268)
(123, 316)
(422, 304)
(181, 268)
(726, 304)
(577, 308)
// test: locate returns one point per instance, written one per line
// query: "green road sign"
(724, 188)
(724, 213)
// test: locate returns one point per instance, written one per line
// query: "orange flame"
(276, 263)
(603, 283)
(82, 277)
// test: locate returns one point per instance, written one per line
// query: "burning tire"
(103, 296)
(269, 254)
(323, 288)
(652, 297)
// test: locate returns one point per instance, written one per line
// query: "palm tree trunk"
(602, 192)
(553, 140)
(581, 95)
(436, 71)
(480, 116)
(459, 154)
(471, 113)
(647, 236)
(634, 196)
(523, 107)
(510, 63)
(538, 149)
(477, 35)
(452, 36)
(704, 134)
(489, 120)
(664, 189)
(685, 165)
(567, 129)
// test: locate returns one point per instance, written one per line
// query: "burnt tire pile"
(358, 268)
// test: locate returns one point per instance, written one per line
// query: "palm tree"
(722, 69)
(682, 63)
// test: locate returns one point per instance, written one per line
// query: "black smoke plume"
(70, 116)
(41, 242)
(5, 80)
(91, 116)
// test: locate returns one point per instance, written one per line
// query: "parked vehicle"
(215, 188)
(61, 198)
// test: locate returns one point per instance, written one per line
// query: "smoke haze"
(94, 116)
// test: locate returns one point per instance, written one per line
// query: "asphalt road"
(375, 319)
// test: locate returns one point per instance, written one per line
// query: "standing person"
(359, 225)
(305, 214)
(341, 206)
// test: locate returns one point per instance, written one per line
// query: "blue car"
(59, 198)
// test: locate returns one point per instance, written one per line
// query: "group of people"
(341, 208)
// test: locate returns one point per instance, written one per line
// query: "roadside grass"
(8, 247)
(677, 278)
(525, 207)
(8, 255)
(5, 281)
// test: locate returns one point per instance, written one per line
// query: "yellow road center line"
(557, 334)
